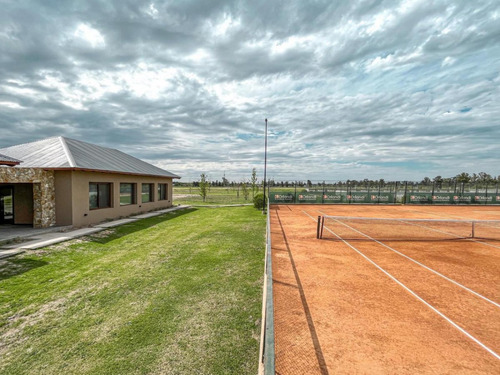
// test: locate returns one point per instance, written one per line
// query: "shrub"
(258, 201)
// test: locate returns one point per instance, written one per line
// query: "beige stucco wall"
(83, 216)
(23, 204)
(64, 204)
(62, 197)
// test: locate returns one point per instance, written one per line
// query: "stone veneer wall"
(44, 201)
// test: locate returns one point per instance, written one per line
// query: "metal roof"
(6, 160)
(62, 152)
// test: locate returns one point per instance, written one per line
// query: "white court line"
(415, 294)
(420, 264)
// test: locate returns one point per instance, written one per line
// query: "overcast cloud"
(352, 89)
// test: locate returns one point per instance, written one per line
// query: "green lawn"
(175, 294)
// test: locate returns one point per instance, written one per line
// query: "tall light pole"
(265, 169)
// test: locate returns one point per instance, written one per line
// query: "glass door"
(6, 204)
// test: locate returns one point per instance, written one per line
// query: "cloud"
(352, 89)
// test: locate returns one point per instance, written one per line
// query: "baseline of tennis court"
(361, 301)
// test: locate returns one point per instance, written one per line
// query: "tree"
(309, 184)
(463, 177)
(485, 177)
(426, 181)
(244, 190)
(203, 186)
(253, 181)
(438, 181)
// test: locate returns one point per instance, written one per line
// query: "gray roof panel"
(61, 152)
(8, 159)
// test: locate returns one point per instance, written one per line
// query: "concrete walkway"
(38, 239)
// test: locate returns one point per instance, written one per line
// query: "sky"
(351, 89)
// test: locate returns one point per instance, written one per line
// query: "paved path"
(43, 239)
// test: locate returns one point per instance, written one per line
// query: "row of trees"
(481, 177)
(252, 185)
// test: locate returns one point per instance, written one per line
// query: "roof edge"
(9, 163)
(102, 171)
(67, 152)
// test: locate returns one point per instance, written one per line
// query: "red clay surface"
(337, 312)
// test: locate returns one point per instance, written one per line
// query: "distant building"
(62, 181)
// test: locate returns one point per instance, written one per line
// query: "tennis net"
(398, 229)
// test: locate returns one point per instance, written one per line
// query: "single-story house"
(63, 181)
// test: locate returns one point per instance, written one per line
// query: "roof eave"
(106, 171)
(9, 163)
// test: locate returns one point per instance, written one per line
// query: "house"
(63, 181)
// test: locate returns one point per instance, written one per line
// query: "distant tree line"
(253, 184)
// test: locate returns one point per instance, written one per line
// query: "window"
(147, 193)
(127, 194)
(99, 195)
(162, 192)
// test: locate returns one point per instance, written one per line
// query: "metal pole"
(265, 170)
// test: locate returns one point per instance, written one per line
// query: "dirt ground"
(379, 307)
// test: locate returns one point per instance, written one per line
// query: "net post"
(473, 222)
(322, 226)
(405, 197)
(318, 228)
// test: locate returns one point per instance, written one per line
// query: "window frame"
(166, 192)
(133, 194)
(151, 192)
(98, 190)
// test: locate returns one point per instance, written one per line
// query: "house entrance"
(6, 204)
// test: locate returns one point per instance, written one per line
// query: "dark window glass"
(99, 195)
(147, 193)
(104, 196)
(127, 194)
(162, 192)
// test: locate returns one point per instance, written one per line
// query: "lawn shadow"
(136, 226)
(16, 266)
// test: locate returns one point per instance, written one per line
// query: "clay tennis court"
(360, 301)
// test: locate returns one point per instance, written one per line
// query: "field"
(175, 294)
(215, 196)
(351, 304)
(220, 195)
